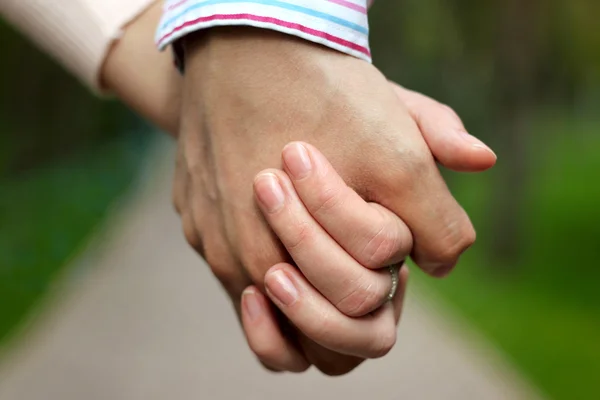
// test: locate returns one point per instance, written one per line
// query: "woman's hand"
(141, 76)
(335, 289)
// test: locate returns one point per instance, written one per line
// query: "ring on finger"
(395, 279)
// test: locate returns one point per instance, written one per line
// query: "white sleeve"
(78, 33)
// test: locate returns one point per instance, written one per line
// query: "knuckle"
(224, 268)
(304, 233)
(384, 341)
(414, 165)
(362, 300)
(419, 163)
(457, 240)
(321, 327)
(256, 268)
(191, 234)
(224, 272)
(177, 191)
(258, 255)
(450, 111)
(469, 236)
(327, 198)
(176, 200)
(380, 248)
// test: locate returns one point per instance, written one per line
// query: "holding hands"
(334, 292)
(328, 228)
(308, 243)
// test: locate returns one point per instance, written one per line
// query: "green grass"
(47, 216)
(543, 312)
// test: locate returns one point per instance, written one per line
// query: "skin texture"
(240, 110)
(313, 292)
(142, 77)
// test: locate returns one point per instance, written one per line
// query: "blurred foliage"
(45, 114)
(65, 156)
(49, 213)
(525, 77)
(544, 310)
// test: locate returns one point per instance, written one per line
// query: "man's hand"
(249, 92)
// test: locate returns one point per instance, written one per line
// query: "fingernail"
(282, 287)
(251, 304)
(474, 141)
(269, 192)
(297, 160)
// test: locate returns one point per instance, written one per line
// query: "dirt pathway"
(140, 317)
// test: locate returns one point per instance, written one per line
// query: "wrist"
(256, 54)
(142, 77)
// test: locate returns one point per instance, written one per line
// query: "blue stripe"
(274, 3)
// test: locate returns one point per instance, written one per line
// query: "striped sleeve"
(338, 24)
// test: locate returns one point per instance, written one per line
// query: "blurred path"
(142, 318)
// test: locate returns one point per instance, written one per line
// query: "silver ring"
(395, 279)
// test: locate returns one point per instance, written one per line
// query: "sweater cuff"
(77, 33)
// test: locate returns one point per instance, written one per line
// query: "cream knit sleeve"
(78, 33)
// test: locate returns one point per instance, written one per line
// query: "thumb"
(445, 134)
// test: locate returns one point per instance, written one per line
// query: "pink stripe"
(270, 20)
(174, 6)
(343, 3)
(347, 4)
